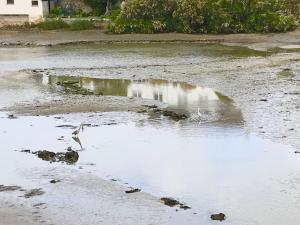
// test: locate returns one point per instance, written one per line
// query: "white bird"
(199, 113)
(76, 132)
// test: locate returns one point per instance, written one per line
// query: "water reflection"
(200, 101)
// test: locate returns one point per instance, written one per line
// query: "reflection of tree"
(97, 86)
(105, 86)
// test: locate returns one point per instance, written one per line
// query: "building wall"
(20, 9)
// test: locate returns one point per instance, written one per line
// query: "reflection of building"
(175, 94)
(17, 12)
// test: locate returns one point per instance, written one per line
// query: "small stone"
(46, 155)
(54, 181)
(263, 100)
(170, 202)
(133, 191)
(219, 216)
(71, 157)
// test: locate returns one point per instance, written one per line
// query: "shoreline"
(64, 37)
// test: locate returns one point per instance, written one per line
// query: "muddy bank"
(97, 201)
(50, 38)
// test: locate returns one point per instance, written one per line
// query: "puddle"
(199, 102)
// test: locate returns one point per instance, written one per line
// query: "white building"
(17, 12)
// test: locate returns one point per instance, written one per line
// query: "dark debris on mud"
(154, 110)
(173, 202)
(34, 192)
(11, 116)
(54, 181)
(135, 190)
(4, 188)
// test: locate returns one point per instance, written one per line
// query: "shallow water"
(211, 169)
(209, 166)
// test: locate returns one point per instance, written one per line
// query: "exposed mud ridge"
(9, 188)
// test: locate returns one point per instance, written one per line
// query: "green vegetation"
(56, 24)
(204, 16)
(81, 25)
(99, 6)
(53, 24)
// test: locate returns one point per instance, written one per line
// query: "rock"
(54, 181)
(263, 100)
(46, 155)
(11, 116)
(185, 207)
(173, 115)
(170, 202)
(71, 157)
(219, 216)
(133, 191)
(26, 150)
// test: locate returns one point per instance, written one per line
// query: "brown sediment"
(50, 38)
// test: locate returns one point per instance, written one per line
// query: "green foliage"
(53, 25)
(81, 25)
(204, 16)
(99, 6)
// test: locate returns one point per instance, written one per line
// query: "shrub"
(204, 16)
(188, 15)
(53, 24)
(81, 25)
(131, 26)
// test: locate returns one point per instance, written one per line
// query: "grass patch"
(81, 25)
(53, 25)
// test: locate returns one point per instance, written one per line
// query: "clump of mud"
(70, 157)
(173, 202)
